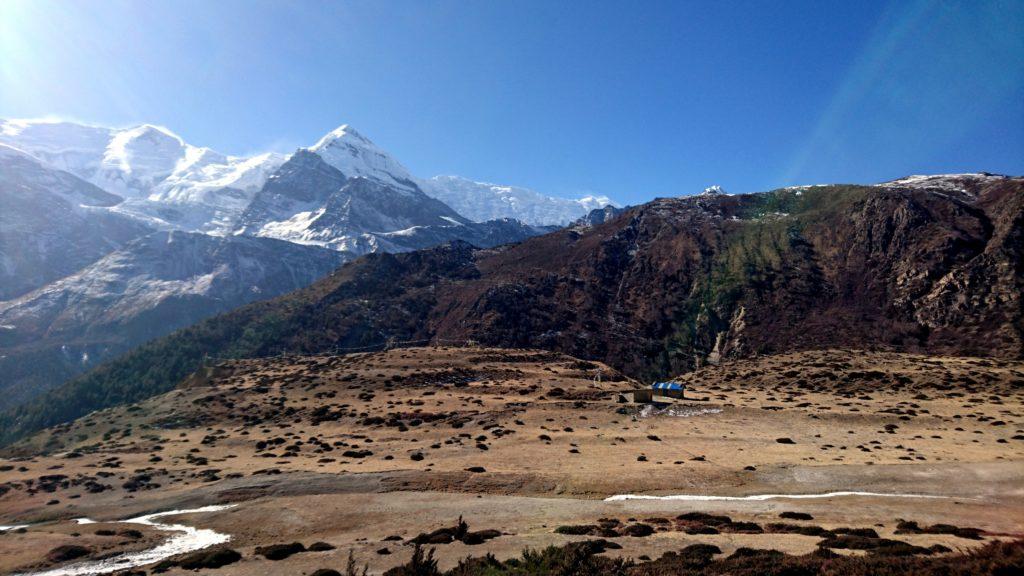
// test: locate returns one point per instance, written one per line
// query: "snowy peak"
(355, 155)
(136, 162)
(343, 132)
(309, 201)
(125, 161)
(591, 202)
(166, 181)
(145, 153)
(171, 184)
(482, 201)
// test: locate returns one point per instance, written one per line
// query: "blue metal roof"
(667, 386)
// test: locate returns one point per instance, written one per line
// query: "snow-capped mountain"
(164, 180)
(355, 156)
(145, 289)
(174, 185)
(311, 201)
(52, 223)
(481, 201)
(85, 276)
(347, 194)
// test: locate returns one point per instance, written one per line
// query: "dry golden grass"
(365, 446)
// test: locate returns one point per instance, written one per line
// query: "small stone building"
(659, 392)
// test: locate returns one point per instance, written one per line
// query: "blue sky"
(629, 99)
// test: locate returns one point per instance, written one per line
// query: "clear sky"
(629, 99)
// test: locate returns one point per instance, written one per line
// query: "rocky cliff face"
(598, 216)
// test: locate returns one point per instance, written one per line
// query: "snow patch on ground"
(187, 539)
(6, 528)
(760, 497)
(650, 410)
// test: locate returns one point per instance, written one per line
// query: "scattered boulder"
(67, 552)
(578, 530)
(755, 553)
(209, 559)
(796, 516)
(638, 530)
(279, 551)
(911, 527)
(479, 537)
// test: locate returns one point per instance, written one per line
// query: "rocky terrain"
(850, 357)
(661, 289)
(372, 453)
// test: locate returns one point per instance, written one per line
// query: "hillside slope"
(52, 223)
(664, 288)
(146, 289)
